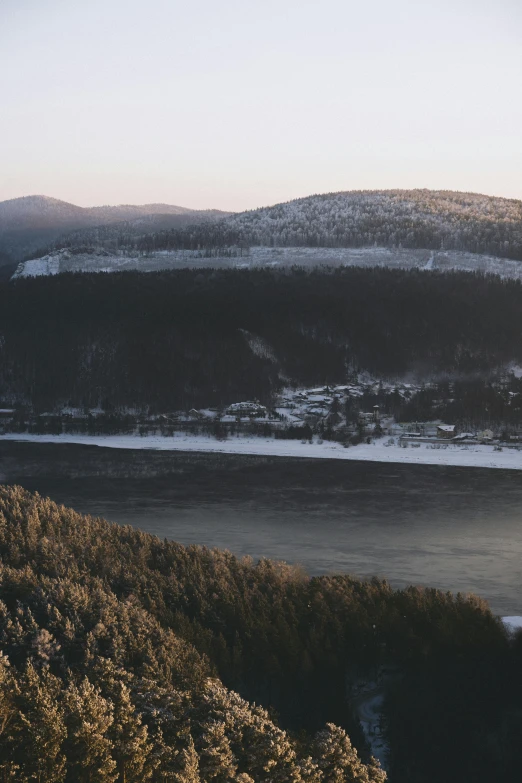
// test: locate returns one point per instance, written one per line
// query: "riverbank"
(478, 456)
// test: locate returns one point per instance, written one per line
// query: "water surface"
(448, 527)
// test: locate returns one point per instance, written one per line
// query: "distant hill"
(317, 229)
(37, 221)
(415, 219)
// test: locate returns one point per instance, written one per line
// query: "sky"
(237, 104)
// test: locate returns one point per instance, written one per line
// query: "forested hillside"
(95, 687)
(176, 340)
(110, 636)
(407, 218)
(35, 221)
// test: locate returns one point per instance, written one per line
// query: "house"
(246, 409)
(464, 436)
(7, 413)
(446, 431)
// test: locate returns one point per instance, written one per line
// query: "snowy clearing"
(255, 257)
(369, 709)
(477, 456)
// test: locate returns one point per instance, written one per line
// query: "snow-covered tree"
(89, 718)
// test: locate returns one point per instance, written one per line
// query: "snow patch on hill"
(392, 258)
(40, 267)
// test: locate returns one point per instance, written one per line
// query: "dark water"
(452, 528)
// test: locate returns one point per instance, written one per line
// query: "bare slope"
(96, 259)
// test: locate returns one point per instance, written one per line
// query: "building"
(446, 431)
(246, 409)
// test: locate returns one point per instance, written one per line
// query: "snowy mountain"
(456, 230)
(34, 221)
(415, 219)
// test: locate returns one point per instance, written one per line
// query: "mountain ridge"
(30, 222)
(396, 218)
(411, 219)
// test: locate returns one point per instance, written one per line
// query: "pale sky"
(235, 104)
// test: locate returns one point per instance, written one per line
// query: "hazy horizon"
(239, 105)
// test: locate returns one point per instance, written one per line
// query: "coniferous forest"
(128, 658)
(423, 218)
(181, 339)
(260, 392)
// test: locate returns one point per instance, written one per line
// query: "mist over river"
(458, 529)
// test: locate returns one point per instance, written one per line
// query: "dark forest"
(173, 340)
(110, 626)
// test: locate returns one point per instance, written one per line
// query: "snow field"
(392, 258)
(458, 456)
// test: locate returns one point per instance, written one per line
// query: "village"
(333, 413)
(357, 412)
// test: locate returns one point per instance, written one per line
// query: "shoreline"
(451, 456)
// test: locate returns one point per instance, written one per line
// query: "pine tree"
(216, 760)
(338, 760)
(269, 752)
(43, 731)
(308, 771)
(188, 765)
(131, 747)
(8, 722)
(89, 717)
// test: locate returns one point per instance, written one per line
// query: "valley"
(317, 403)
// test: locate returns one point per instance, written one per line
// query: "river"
(457, 529)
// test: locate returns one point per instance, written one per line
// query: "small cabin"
(446, 431)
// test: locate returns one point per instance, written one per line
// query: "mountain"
(421, 229)
(397, 228)
(415, 219)
(31, 222)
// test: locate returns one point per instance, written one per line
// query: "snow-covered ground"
(369, 709)
(460, 456)
(513, 623)
(393, 258)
